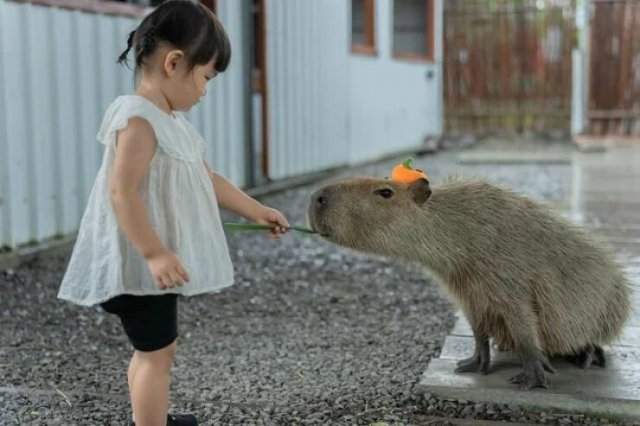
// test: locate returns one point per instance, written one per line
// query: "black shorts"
(150, 322)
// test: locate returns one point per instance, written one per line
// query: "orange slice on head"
(405, 173)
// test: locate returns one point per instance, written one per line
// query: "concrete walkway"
(605, 197)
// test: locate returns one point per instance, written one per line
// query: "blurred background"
(313, 86)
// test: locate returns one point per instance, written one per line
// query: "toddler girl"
(152, 230)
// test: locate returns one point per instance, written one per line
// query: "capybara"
(522, 275)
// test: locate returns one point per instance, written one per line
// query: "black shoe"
(179, 420)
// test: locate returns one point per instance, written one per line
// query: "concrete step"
(601, 392)
(612, 391)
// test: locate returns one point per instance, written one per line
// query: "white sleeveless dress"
(181, 206)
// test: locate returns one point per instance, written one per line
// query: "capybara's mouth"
(316, 227)
(321, 230)
(316, 222)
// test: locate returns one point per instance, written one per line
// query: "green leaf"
(408, 163)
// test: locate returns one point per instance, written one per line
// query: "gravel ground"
(310, 334)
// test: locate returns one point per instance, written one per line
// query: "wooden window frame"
(101, 7)
(430, 30)
(258, 78)
(369, 47)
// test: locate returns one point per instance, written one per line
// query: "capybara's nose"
(320, 199)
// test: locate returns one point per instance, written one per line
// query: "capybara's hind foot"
(588, 356)
(583, 359)
(599, 359)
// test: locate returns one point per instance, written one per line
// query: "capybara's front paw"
(475, 364)
(532, 375)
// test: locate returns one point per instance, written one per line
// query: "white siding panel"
(13, 26)
(57, 76)
(70, 201)
(40, 122)
(219, 117)
(88, 100)
(5, 225)
(307, 71)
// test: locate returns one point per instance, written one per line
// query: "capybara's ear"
(420, 190)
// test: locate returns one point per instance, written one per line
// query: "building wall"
(327, 107)
(307, 79)
(393, 103)
(220, 117)
(57, 76)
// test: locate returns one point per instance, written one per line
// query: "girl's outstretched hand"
(269, 216)
(167, 270)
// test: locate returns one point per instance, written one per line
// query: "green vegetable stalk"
(260, 227)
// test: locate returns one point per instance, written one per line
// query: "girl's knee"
(160, 358)
(170, 350)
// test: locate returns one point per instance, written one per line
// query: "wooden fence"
(507, 65)
(614, 104)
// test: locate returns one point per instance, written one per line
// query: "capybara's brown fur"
(522, 275)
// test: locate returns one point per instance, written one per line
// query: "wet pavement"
(604, 197)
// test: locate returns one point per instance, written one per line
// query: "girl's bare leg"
(149, 378)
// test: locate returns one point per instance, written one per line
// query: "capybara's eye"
(384, 192)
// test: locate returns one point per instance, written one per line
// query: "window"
(413, 29)
(363, 27)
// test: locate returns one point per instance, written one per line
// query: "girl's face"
(186, 87)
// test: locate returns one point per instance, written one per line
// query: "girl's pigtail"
(123, 56)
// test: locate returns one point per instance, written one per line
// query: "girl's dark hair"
(186, 25)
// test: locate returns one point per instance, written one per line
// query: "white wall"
(58, 74)
(393, 105)
(329, 107)
(307, 78)
(220, 117)
(54, 85)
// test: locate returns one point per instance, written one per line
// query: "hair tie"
(123, 56)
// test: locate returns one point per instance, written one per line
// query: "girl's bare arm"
(232, 198)
(135, 148)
